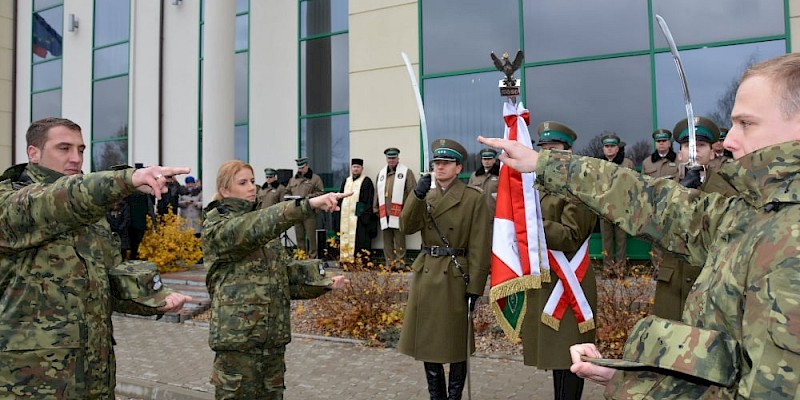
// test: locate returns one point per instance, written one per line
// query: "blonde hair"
(227, 171)
(784, 72)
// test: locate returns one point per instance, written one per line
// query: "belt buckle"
(435, 251)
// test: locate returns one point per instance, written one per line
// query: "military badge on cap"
(704, 129)
(552, 131)
(662, 134)
(610, 139)
(138, 281)
(448, 150)
(391, 152)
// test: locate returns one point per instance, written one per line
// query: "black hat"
(662, 134)
(357, 161)
(704, 129)
(448, 150)
(552, 131)
(391, 152)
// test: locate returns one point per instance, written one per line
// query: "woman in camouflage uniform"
(249, 283)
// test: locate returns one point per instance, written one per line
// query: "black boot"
(458, 375)
(566, 385)
(434, 373)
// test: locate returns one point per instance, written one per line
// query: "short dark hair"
(37, 132)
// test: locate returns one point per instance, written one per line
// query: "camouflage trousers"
(238, 375)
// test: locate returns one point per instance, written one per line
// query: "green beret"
(705, 130)
(662, 134)
(552, 131)
(138, 281)
(391, 152)
(448, 150)
(610, 139)
(302, 161)
(269, 172)
(488, 153)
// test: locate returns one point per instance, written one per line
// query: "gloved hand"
(423, 186)
(692, 178)
(474, 297)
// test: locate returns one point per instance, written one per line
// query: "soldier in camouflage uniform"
(567, 226)
(739, 336)
(56, 250)
(249, 284)
(435, 323)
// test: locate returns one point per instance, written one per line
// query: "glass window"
(108, 154)
(111, 61)
(324, 75)
(40, 4)
(242, 32)
(577, 28)
(46, 34)
(718, 20)
(46, 104)
(242, 6)
(241, 88)
(326, 143)
(318, 17)
(240, 142)
(592, 97)
(46, 75)
(712, 85)
(462, 107)
(110, 110)
(459, 34)
(111, 21)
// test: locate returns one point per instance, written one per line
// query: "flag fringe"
(513, 286)
(586, 326)
(511, 332)
(545, 274)
(551, 321)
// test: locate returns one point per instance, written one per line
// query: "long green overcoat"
(566, 227)
(435, 324)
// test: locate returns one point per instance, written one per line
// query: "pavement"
(162, 360)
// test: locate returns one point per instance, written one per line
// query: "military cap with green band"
(448, 150)
(488, 152)
(138, 281)
(704, 128)
(672, 345)
(391, 152)
(302, 161)
(662, 134)
(270, 172)
(552, 131)
(610, 139)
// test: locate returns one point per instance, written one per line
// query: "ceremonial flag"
(519, 251)
(45, 38)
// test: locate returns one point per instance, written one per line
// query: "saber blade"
(423, 123)
(687, 100)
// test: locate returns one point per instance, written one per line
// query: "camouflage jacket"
(247, 276)
(55, 301)
(749, 246)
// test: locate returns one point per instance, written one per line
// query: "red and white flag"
(519, 251)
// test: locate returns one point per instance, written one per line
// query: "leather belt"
(439, 251)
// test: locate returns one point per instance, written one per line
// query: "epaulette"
(479, 190)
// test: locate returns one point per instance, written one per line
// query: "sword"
(469, 335)
(422, 122)
(686, 99)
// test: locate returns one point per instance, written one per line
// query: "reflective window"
(241, 142)
(326, 143)
(40, 4)
(462, 107)
(577, 28)
(712, 85)
(46, 104)
(47, 75)
(111, 21)
(111, 61)
(47, 32)
(324, 75)
(242, 6)
(240, 91)
(108, 154)
(319, 17)
(718, 20)
(110, 110)
(459, 34)
(242, 32)
(593, 97)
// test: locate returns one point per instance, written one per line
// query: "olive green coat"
(435, 324)
(566, 227)
(488, 183)
(675, 275)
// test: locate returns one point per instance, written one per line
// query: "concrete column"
(218, 90)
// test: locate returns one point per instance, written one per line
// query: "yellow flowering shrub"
(173, 246)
